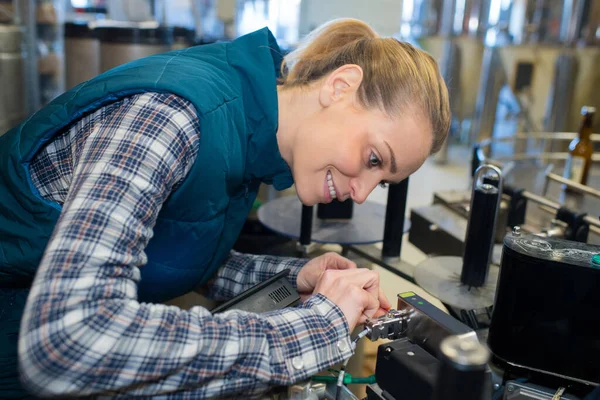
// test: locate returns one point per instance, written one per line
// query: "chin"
(305, 200)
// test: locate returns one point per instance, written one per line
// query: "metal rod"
(541, 200)
(595, 222)
(32, 77)
(574, 185)
(537, 156)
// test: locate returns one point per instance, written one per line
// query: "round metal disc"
(440, 276)
(283, 215)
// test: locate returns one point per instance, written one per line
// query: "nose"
(360, 188)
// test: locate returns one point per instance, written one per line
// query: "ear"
(340, 84)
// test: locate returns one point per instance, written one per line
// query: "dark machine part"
(434, 349)
(577, 229)
(517, 206)
(306, 225)
(404, 370)
(336, 210)
(428, 325)
(480, 235)
(395, 213)
(273, 294)
(546, 308)
(463, 372)
(437, 230)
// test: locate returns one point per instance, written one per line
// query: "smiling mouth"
(330, 185)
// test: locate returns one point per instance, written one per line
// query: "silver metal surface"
(574, 185)
(440, 277)
(115, 54)
(450, 64)
(82, 60)
(282, 215)
(32, 85)
(13, 107)
(561, 95)
(427, 332)
(572, 20)
(465, 351)
(527, 391)
(390, 326)
(491, 81)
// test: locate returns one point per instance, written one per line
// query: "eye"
(373, 160)
(383, 184)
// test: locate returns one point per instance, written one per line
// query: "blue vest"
(233, 88)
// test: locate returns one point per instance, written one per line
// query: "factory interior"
(489, 252)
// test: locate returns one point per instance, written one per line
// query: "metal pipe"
(541, 200)
(490, 82)
(572, 19)
(574, 185)
(593, 222)
(31, 63)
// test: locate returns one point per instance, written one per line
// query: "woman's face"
(344, 150)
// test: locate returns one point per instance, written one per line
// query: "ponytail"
(397, 77)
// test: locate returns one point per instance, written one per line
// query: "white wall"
(382, 15)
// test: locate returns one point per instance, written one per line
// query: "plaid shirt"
(85, 333)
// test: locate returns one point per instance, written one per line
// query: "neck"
(294, 106)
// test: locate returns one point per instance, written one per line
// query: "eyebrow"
(393, 168)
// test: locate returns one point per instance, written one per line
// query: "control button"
(342, 345)
(596, 260)
(297, 362)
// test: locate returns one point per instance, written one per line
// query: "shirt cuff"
(316, 336)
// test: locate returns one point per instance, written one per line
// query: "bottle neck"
(585, 131)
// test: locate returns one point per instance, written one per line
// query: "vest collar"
(257, 58)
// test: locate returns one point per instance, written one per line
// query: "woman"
(131, 189)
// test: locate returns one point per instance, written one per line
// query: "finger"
(384, 303)
(370, 304)
(336, 261)
(361, 277)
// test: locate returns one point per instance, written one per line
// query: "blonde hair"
(396, 75)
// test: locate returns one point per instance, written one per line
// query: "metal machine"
(539, 64)
(12, 76)
(452, 31)
(541, 343)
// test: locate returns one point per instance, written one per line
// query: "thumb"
(383, 301)
(370, 304)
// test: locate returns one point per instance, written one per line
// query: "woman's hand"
(310, 275)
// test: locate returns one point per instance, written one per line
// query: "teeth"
(330, 185)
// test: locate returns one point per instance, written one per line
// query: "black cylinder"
(475, 161)
(395, 213)
(462, 374)
(480, 235)
(306, 225)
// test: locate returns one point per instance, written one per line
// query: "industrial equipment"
(452, 32)
(124, 42)
(539, 64)
(13, 107)
(541, 343)
(82, 53)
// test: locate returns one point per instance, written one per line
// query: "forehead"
(409, 136)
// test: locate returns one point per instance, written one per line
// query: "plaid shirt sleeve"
(84, 333)
(242, 271)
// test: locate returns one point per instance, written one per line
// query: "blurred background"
(519, 73)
